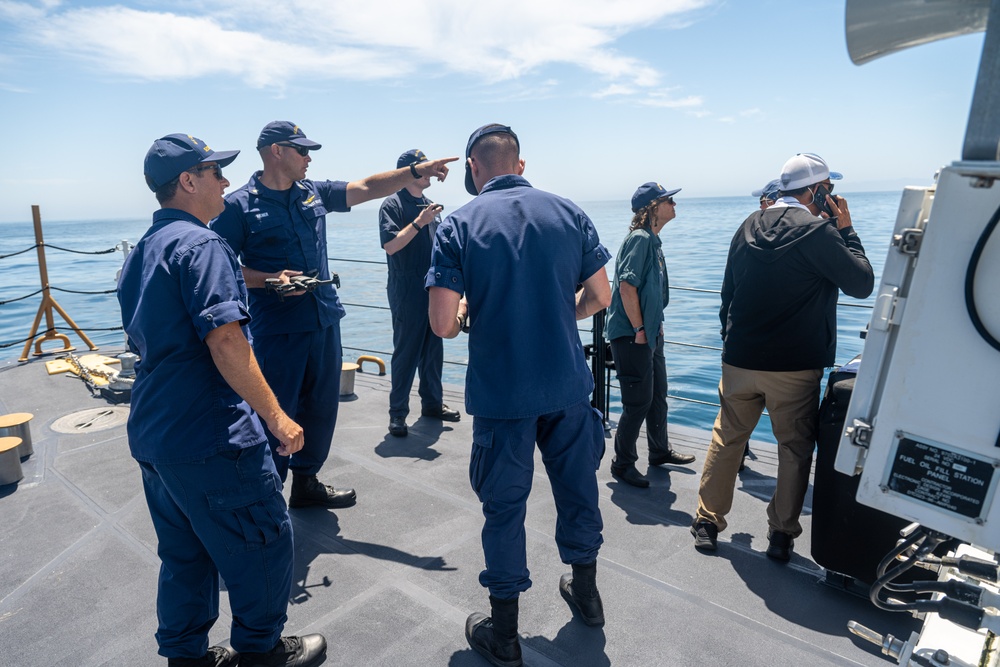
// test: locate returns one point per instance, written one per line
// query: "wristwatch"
(636, 330)
(415, 225)
(413, 170)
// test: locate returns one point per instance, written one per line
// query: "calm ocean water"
(695, 245)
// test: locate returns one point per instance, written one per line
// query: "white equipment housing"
(924, 419)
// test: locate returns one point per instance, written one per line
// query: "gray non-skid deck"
(391, 580)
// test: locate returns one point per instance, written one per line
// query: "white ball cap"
(803, 170)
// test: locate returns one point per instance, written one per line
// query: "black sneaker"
(397, 427)
(705, 534)
(444, 413)
(217, 656)
(304, 651)
(779, 546)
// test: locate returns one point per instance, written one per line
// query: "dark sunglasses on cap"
(301, 150)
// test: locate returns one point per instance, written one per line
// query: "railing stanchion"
(599, 367)
(48, 303)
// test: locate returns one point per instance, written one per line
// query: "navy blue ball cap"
(412, 156)
(492, 128)
(176, 153)
(769, 191)
(285, 132)
(648, 193)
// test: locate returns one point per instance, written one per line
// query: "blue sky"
(708, 95)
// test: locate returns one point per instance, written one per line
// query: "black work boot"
(304, 651)
(308, 490)
(217, 656)
(495, 638)
(580, 590)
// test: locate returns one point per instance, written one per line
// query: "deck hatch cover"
(91, 420)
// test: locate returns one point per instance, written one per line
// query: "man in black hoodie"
(779, 330)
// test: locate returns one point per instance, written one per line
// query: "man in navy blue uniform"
(529, 264)
(195, 426)
(276, 224)
(402, 220)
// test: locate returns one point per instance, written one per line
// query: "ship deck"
(391, 580)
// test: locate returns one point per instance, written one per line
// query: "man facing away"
(766, 195)
(520, 256)
(769, 194)
(407, 221)
(195, 427)
(276, 224)
(779, 321)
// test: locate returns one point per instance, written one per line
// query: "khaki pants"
(792, 400)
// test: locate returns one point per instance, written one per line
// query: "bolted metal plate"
(91, 420)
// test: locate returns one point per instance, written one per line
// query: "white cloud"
(159, 46)
(267, 44)
(9, 88)
(666, 102)
(615, 89)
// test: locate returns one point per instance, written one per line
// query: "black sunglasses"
(208, 167)
(301, 150)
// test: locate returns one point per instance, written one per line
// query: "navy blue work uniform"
(213, 493)
(296, 340)
(518, 254)
(415, 347)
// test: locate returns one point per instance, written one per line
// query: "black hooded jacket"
(779, 294)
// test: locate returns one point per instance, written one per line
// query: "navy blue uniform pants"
(303, 371)
(415, 347)
(221, 515)
(642, 376)
(571, 442)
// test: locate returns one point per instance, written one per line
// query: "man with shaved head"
(519, 266)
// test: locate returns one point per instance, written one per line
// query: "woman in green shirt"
(635, 330)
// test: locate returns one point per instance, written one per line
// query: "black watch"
(415, 225)
(413, 170)
(636, 330)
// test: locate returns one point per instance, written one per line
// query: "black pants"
(642, 374)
